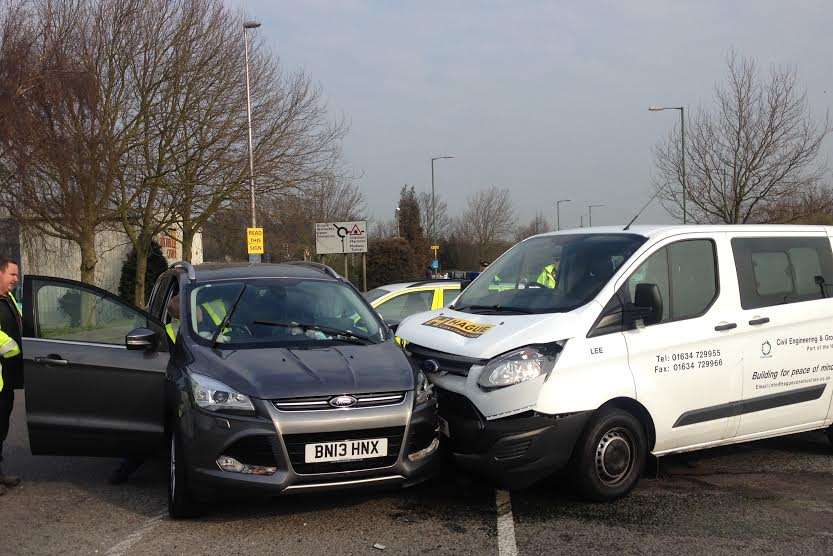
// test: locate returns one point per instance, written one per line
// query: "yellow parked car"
(397, 301)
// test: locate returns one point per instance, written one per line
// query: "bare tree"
(538, 225)
(487, 219)
(756, 148)
(63, 127)
(442, 222)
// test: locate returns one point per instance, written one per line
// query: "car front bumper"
(514, 452)
(275, 439)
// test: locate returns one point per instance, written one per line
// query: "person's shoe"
(119, 476)
(8, 480)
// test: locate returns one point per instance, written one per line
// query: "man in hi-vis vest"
(11, 362)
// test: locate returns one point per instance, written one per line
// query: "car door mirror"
(647, 304)
(141, 338)
(393, 325)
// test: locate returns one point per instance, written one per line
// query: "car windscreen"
(375, 294)
(549, 274)
(285, 311)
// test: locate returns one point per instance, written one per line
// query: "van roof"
(657, 230)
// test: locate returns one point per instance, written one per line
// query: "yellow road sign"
(435, 247)
(254, 237)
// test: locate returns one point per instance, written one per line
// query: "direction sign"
(341, 237)
(254, 239)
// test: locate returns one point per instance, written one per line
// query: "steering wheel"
(242, 328)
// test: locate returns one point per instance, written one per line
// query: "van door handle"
(52, 359)
(761, 320)
(726, 326)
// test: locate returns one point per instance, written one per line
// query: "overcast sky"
(547, 99)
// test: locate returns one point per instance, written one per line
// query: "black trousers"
(6, 405)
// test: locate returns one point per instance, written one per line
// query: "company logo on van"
(766, 349)
(462, 327)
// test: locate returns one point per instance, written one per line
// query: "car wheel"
(610, 456)
(180, 503)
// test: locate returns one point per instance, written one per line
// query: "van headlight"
(213, 395)
(517, 366)
(424, 388)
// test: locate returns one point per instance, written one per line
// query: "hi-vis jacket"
(8, 347)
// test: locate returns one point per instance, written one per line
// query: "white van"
(596, 346)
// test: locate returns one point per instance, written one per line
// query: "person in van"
(657, 340)
(549, 275)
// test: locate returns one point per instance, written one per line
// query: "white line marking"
(506, 545)
(131, 539)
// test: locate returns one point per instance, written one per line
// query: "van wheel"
(180, 503)
(610, 456)
(829, 433)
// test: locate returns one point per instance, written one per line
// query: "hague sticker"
(459, 326)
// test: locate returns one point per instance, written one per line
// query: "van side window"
(774, 271)
(685, 273)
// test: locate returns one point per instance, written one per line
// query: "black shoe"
(119, 476)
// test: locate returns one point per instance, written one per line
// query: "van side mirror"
(647, 304)
(140, 338)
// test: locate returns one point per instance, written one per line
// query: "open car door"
(86, 393)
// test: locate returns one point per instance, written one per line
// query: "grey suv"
(256, 379)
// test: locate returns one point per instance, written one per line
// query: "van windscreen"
(549, 274)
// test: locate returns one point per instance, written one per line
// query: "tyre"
(610, 456)
(829, 433)
(180, 502)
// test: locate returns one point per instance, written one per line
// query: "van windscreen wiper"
(496, 309)
(357, 338)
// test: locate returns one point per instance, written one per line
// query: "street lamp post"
(590, 214)
(250, 25)
(396, 218)
(433, 203)
(558, 213)
(682, 140)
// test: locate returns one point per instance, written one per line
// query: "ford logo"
(343, 401)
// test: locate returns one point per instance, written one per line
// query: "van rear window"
(775, 271)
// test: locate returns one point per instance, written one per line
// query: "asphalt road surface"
(774, 496)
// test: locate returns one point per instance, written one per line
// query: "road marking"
(131, 539)
(506, 545)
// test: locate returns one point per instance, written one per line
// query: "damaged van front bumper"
(514, 452)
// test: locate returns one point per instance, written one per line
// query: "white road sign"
(341, 237)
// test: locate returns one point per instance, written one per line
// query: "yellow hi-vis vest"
(216, 310)
(8, 347)
(549, 276)
(171, 328)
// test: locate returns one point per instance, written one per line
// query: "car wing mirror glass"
(647, 304)
(140, 339)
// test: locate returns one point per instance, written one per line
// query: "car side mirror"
(647, 304)
(140, 338)
(393, 326)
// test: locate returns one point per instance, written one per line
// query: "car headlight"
(424, 388)
(518, 366)
(213, 395)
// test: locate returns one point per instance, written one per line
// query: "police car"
(650, 340)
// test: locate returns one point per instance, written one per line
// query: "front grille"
(322, 403)
(256, 450)
(295, 444)
(448, 362)
(514, 449)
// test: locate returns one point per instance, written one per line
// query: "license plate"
(346, 450)
(444, 427)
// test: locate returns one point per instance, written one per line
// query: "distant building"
(49, 256)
